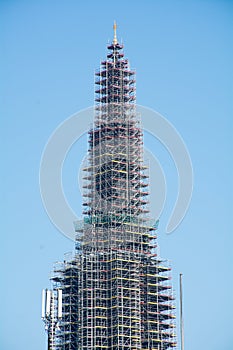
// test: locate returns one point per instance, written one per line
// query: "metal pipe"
(181, 314)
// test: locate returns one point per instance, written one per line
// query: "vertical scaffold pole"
(181, 314)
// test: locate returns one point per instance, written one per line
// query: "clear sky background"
(182, 52)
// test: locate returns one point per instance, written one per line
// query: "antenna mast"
(181, 314)
(51, 313)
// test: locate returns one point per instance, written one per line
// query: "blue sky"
(182, 52)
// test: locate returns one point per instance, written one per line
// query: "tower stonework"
(116, 291)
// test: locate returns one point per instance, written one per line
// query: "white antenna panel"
(43, 304)
(48, 302)
(59, 303)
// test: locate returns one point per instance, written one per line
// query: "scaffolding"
(116, 291)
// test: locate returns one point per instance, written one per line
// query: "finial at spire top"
(115, 36)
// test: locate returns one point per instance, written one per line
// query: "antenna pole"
(51, 313)
(115, 35)
(181, 314)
